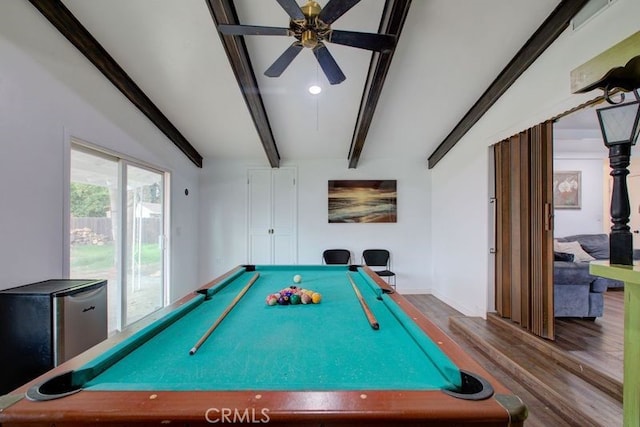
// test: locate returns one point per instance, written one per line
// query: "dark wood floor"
(596, 344)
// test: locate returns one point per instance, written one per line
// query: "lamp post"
(619, 125)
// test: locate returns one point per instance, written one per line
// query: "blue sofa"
(576, 293)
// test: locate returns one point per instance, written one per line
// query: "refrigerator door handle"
(84, 295)
(80, 321)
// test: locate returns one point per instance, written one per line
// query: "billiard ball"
(316, 298)
(283, 300)
(297, 278)
(272, 300)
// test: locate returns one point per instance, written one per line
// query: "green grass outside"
(94, 257)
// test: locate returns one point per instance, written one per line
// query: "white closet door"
(284, 216)
(260, 216)
(272, 216)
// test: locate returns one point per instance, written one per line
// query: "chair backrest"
(336, 256)
(376, 257)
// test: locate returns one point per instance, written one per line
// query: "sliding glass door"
(144, 260)
(117, 231)
(94, 224)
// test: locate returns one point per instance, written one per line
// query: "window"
(117, 228)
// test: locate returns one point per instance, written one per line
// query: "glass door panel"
(144, 248)
(94, 223)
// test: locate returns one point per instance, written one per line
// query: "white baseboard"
(414, 291)
(467, 311)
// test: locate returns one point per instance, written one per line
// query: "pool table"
(223, 355)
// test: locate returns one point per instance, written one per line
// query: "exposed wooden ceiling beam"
(393, 18)
(61, 18)
(223, 12)
(544, 36)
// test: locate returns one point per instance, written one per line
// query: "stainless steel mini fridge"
(46, 323)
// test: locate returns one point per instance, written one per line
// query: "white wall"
(223, 217)
(589, 218)
(459, 222)
(44, 100)
(460, 239)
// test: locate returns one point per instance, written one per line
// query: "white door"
(284, 216)
(272, 216)
(633, 183)
(633, 186)
(259, 216)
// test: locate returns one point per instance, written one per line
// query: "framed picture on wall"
(567, 189)
(362, 201)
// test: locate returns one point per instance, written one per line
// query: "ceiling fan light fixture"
(309, 39)
(315, 89)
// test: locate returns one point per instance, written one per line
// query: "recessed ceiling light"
(315, 89)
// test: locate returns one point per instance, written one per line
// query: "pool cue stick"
(367, 312)
(224, 314)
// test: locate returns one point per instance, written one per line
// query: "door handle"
(548, 217)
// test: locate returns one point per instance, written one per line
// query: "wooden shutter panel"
(524, 239)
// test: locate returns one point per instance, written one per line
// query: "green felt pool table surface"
(302, 362)
(324, 346)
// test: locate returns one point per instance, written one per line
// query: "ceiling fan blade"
(278, 67)
(252, 30)
(335, 9)
(369, 41)
(292, 8)
(328, 64)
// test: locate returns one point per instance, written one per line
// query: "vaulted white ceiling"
(448, 53)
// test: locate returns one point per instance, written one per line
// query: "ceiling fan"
(310, 24)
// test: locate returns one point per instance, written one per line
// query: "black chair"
(380, 258)
(336, 256)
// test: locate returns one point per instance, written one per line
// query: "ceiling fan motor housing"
(311, 10)
(311, 30)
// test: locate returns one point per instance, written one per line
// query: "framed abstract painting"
(362, 201)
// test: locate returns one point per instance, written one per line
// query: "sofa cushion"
(574, 248)
(596, 245)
